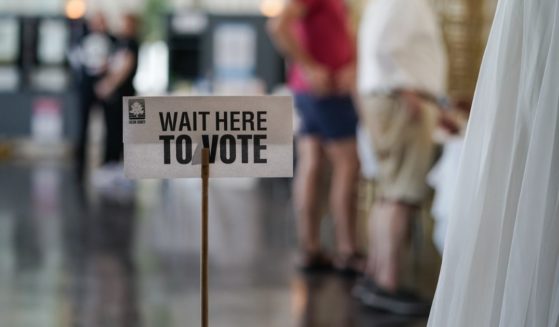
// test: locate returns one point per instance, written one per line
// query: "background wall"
(32, 6)
(466, 24)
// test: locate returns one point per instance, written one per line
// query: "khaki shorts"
(404, 146)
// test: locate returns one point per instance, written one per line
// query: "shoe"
(350, 266)
(110, 182)
(313, 263)
(402, 302)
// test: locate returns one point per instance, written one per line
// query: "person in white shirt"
(402, 71)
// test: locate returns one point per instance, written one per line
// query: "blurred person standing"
(402, 71)
(91, 60)
(316, 38)
(117, 83)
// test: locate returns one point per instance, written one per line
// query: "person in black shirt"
(91, 60)
(119, 83)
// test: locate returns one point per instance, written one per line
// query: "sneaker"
(401, 303)
(109, 181)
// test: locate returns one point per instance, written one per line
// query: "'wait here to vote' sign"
(246, 136)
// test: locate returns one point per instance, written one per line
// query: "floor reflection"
(326, 300)
(82, 257)
(104, 274)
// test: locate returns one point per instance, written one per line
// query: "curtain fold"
(500, 262)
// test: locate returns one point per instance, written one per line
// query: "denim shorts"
(329, 118)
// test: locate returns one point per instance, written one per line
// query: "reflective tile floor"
(74, 258)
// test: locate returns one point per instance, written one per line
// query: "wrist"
(309, 64)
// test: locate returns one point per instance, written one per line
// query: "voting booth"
(219, 52)
(35, 78)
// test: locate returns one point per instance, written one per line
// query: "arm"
(282, 33)
(117, 76)
(413, 101)
(346, 77)
(396, 32)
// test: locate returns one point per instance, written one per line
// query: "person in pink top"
(316, 38)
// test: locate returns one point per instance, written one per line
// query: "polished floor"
(70, 257)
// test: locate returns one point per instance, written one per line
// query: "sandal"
(352, 265)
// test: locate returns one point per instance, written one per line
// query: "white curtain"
(444, 178)
(500, 265)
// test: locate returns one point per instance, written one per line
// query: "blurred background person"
(316, 38)
(117, 83)
(92, 60)
(401, 74)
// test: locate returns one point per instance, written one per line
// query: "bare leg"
(345, 165)
(372, 264)
(309, 167)
(390, 231)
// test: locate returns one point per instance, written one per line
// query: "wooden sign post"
(204, 238)
(168, 137)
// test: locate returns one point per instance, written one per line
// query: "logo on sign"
(137, 111)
